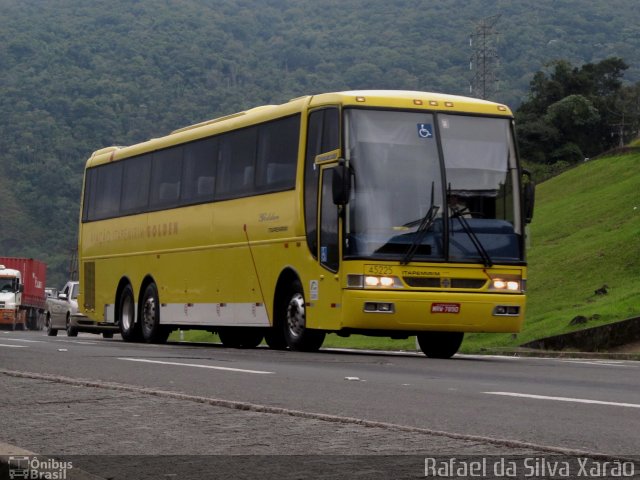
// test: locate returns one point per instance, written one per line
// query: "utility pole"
(625, 113)
(484, 60)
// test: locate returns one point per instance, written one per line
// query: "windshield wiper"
(459, 214)
(425, 224)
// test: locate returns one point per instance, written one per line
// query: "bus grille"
(430, 282)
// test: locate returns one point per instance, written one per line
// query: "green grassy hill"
(585, 234)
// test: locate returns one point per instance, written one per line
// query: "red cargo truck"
(22, 297)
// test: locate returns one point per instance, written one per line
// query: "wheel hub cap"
(295, 315)
(149, 313)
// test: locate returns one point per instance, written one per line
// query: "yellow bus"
(386, 213)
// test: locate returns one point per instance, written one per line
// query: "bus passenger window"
(169, 192)
(166, 175)
(108, 187)
(205, 186)
(199, 171)
(281, 174)
(278, 154)
(135, 185)
(235, 176)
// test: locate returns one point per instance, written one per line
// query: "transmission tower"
(484, 60)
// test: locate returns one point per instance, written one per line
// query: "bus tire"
(240, 337)
(440, 344)
(152, 331)
(296, 334)
(275, 338)
(51, 332)
(129, 329)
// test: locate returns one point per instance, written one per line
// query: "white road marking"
(24, 340)
(12, 346)
(565, 399)
(76, 342)
(601, 363)
(144, 360)
(482, 357)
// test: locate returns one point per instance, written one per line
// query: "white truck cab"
(11, 298)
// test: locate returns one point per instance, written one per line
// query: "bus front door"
(327, 297)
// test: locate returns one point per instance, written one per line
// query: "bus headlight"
(507, 283)
(373, 281)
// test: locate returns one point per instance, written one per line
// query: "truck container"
(22, 296)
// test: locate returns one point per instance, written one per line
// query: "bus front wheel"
(440, 344)
(152, 331)
(129, 329)
(296, 333)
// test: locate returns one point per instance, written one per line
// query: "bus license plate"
(445, 308)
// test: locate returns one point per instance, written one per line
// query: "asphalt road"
(90, 396)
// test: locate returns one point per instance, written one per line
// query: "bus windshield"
(431, 187)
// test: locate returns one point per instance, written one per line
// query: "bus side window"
(166, 176)
(329, 241)
(107, 194)
(323, 135)
(135, 185)
(168, 192)
(199, 171)
(89, 195)
(278, 154)
(236, 165)
(205, 186)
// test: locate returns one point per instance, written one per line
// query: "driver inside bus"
(457, 207)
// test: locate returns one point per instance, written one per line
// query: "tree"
(570, 112)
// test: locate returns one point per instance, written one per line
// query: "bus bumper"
(432, 311)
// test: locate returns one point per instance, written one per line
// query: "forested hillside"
(78, 75)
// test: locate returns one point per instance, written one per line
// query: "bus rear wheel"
(240, 337)
(129, 329)
(440, 344)
(152, 331)
(296, 333)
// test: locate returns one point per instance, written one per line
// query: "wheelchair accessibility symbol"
(425, 130)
